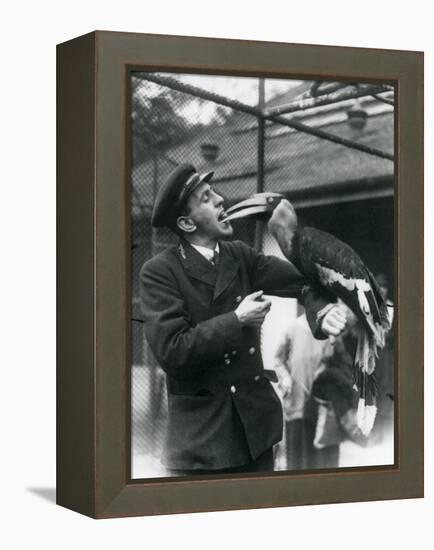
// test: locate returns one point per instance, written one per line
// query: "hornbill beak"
(260, 205)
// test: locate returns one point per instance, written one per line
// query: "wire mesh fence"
(173, 122)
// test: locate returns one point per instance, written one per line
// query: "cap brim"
(207, 176)
(203, 178)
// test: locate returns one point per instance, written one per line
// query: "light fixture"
(210, 151)
(357, 116)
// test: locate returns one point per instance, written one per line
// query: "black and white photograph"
(197, 200)
(262, 274)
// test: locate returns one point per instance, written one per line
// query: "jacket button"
(238, 299)
(227, 361)
(234, 352)
(233, 389)
(256, 378)
(252, 350)
(226, 355)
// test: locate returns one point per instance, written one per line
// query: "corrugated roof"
(295, 161)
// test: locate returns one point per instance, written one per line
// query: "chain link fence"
(316, 158)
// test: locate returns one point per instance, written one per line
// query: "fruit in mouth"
(222, 216)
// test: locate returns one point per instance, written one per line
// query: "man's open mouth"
(222, 217)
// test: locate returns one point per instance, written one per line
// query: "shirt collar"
(207, 253)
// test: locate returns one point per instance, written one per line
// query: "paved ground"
(374, 455)
(351, 456)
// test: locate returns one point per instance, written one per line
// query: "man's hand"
(333, 323)
(253, 309)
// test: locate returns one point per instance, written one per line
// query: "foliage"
(156, 124)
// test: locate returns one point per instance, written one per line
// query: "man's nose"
(218, 199)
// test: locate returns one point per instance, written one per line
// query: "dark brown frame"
(93, 274)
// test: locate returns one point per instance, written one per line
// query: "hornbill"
(332, 264)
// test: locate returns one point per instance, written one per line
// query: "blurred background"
(327, 146)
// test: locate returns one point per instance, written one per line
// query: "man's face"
(205, 210)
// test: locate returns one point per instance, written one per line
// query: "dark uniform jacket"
(223, 411)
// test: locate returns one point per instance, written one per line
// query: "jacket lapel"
(195, 265)
(226, 271)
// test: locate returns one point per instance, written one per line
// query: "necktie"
(215, 260)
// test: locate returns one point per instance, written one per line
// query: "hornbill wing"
(336, 266)
(380, 302)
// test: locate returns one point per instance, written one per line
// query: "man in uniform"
(203, 306)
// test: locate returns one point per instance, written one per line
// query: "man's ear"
(186, 224)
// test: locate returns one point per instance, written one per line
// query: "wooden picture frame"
(93, 274)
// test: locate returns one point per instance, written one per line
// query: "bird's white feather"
(329, 277)
(367, 343)
(366, 416)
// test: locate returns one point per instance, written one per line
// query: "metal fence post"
(261, 158)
